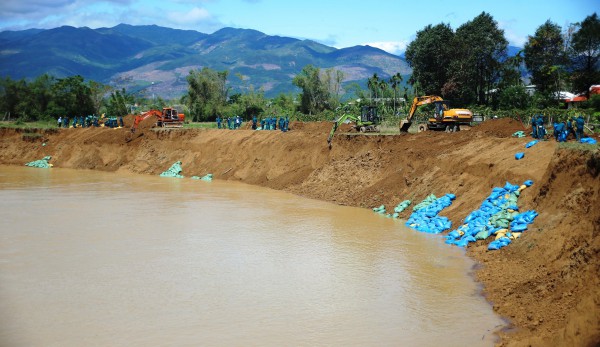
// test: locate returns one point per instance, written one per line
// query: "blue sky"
(386, 24)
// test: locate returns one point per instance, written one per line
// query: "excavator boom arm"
(337, 123)
(417, 101)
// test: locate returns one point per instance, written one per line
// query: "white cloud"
(513, 38)
(195, 15)
(394, 47)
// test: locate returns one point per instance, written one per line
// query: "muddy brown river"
(90, 258)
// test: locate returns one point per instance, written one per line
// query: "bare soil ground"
(546, 284)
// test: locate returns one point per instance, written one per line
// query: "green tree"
(315, 96)
(251, 103)
(40, 95)
(98, 90)
(285, 102)
(585, 48)
(514, 97)
(12, 98)
(480, 48)
(430, 55)
(71, 97)
(544, 55)
(333, 80)
(117, 103)
(510, 74)
(207, 93)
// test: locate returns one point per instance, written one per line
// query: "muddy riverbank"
(546, 283)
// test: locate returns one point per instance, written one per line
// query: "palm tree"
(395, 81)
(373, 84)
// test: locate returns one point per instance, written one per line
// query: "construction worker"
(559, 129)
(59, 121)
(254, 123)
(570, 128)
(121, 124)
(534, 126)
(286, 123)
(262, 124)
(541, 131)
(579, 123)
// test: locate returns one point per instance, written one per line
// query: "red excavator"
(168, 118)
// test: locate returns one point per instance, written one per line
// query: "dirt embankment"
(546, 283)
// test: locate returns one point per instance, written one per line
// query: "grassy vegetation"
(28, 125)
(200, 125)
(584, 147)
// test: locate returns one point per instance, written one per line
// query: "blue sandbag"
(494, 246)
(588, 140)
(532, 143)
(518, 227)
(454, 234)
(510, 188)
(519, 155)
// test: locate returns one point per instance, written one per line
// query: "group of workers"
(232, 122)
(90, 121)
(561, 130)
(274, 123)
(268, 123)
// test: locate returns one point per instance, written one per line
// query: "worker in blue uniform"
(559, 129)
(579, 123)
(541, 131)
(534, 126)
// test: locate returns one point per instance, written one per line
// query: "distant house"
(571, 99)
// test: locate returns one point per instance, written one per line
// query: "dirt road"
(546, 283)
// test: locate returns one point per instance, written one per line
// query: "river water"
(90, 258)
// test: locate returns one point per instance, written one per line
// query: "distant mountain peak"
(136, 56)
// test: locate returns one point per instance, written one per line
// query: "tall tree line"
(470, 65)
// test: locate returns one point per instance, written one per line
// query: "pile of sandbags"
(425, 216)
(498, 215)
(42, 163)
(174, 171)
(397, 210)
(207, 177)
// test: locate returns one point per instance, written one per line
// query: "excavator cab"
(440, 108)
(369, 114)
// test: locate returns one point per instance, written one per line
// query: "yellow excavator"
(444, 118)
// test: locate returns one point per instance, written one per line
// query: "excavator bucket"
(404, 126)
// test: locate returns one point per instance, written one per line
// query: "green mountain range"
(154, 60)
